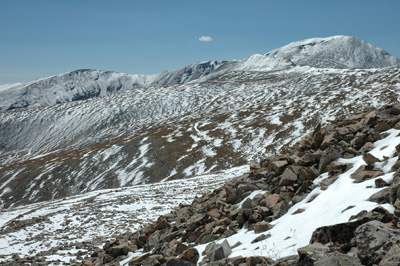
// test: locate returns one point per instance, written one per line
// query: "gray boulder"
(218, 251)
(378, 244)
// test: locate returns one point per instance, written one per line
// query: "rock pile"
(369, 239)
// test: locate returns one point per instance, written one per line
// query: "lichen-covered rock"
(376, 242)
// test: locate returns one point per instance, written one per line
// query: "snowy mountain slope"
(190, 73)
(326, 190)
(174, 132)
(71, 230)
(289, 233)
(86, 84)
(216, 115)
(71, 86)
(336, 51)
(332, 52)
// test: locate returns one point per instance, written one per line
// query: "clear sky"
(40, 38)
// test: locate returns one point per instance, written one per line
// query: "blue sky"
(46, 37)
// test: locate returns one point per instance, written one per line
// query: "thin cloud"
(205, 39)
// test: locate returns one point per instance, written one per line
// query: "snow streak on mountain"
(91, 129)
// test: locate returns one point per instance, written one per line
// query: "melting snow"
(293, 231)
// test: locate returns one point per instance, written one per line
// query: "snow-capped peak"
(334, 52)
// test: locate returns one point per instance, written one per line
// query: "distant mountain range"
(333, 52)
(91, 129)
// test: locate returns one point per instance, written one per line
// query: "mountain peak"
(338, 51)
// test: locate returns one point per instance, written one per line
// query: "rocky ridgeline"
(371, 238)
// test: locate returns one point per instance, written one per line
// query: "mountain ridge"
(332, 52)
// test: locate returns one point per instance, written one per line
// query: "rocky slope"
(62, 232)
(217, 115)
(247, 212)
(332, 198)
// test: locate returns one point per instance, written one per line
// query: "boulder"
(264, 211)
(310, 159)
(359, 141)
(191, 255)
(261, 227)
(254, 166)
(311, 253)
(218, 229)
(309, 173)
(153, 260)
(260, 238)
(248, 204)
(216, 252)
(214, 213)
(381, 196)
(370, 118)
(107, 258)
(231, 196)
(317, 135)
(277, 166)
(258, 198)
(366, 172)
(324, 184)
(255, 217)
(196, 220)
(397, 147)
(120, 250)
(286, 261)
(369, 159)
(328, 156)
(243, 188)
(153, 242)
(179, 248)
(380, 183)
(394, 110)
(329, 140)
(287, 178)
(280, 209)
(378, 243)
(381, 126)
(257, 260)
(272, 200)
(368, 146)
(287, 195)
(337, 167)
(161, 224)
(339, 233)
(320, 255)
